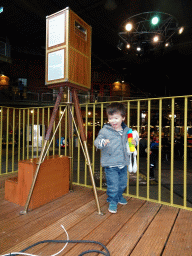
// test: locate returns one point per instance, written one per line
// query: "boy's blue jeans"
(116, 183)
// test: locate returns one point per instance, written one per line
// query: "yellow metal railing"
(22, 132)
(173, 178)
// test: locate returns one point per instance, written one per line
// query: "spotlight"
(120, 46)
(128, 27)
(155, 39)
(181, 29)
(138, 48)
(155, 20)
(128, 46)
(167, 44)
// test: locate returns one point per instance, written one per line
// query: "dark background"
(163, 72)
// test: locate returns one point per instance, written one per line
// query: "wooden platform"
(52, 181)
(138, 228)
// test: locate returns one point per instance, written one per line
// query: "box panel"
(56, 25)
(80, 34)
(56, 65)
(79, 69)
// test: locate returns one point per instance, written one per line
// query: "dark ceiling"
(24, 22)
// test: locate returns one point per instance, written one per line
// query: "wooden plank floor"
(138, 228)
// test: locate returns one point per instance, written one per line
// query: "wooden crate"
(68, 50)
(52, 181)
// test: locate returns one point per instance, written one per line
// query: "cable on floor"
(62, 241)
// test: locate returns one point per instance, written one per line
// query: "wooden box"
(68, 50)
(52, 181)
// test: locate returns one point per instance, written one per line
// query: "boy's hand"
(134, 142)
(106, 142)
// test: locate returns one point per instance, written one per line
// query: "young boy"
(112, 140)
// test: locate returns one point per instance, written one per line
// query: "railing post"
(128, 124)
(185, 154)
(138, 130)
(148, 146)
(172, 150)
(159, 163)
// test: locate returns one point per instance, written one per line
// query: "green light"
(1, 9)
(155, 20)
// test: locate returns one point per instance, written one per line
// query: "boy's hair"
(116, 107)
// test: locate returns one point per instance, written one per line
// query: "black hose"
(72, 241)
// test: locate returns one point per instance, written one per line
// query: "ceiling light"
(155, 20)
(155, 39)
(181, 30)
(128, 27)
(138, 48)
(128, 46)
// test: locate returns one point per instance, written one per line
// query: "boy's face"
(115, 120)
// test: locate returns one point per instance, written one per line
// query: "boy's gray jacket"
(114, 153)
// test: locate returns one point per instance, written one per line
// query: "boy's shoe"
(112, 208)
(122, 201)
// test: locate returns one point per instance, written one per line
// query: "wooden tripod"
(82, 138)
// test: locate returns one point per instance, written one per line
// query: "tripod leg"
(79, 136)
(70, 135)
(54, 134)
(58, 100)
(83, 137)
